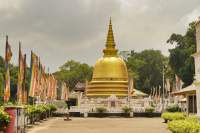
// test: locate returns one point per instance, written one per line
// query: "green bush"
(52, 107)
(149, 109)
(169, 116)
(189, 125)
(192, 119)
(173, 108)
(30, 110)
(126, 109)
(101, 109)
(4, 118)
(40, 109)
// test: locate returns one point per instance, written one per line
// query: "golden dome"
(110, 68)
(110, 76)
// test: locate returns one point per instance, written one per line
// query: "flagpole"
(24, 82)
(163, 97)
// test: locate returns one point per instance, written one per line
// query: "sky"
(61, 30)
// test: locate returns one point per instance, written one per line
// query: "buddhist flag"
(154, 92)
(8, 52)
(131, 87)
(86, 86)
(8, 56)
(151, 92)
(54, 88)
(24, 88)
(48, 86)
(179, 82)
(43, 84)
(65, 92)
(34, 75)
(159, 92)
(7, 85)
(20, 76)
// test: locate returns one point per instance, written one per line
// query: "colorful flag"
(20, 76)
(168, 85)
(7, 85)
(43, 84)
(54, 88)
(8, 56)
(179, 82)
(65, 92)
(33, 91)
(86, 86)
(131, 87)
(24, 88)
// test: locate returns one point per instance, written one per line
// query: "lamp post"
(163, 86)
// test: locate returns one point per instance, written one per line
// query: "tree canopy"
(72, 72)
(180, 59)
(146, 68)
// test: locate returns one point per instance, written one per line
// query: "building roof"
(79, 87)
(138, 93)
(191, 89)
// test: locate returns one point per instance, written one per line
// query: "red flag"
(34, 76)
(24, 88)
(7, 86)
(8, 56)
(20, 76)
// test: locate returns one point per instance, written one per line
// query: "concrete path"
(101, 125)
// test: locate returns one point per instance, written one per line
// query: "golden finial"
(110, 42)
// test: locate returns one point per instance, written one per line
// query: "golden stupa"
(110, 76)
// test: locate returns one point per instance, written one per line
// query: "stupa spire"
(110, 42)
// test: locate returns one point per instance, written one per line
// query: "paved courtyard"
(101, 125)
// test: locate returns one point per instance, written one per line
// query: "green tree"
(146, 68)
(180, 59)
(72, 72)
(2, 72)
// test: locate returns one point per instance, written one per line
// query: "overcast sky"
(60, 30)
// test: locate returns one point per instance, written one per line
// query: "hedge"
(168, 116)
(101, 109)
(149, 109)
(126, 109)
(188, 125)
(40, 109)
(173, 108)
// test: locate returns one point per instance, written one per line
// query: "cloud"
(63, 30)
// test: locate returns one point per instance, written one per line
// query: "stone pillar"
(187, 104)
(198, 34)
(197, 67)
(198, 100)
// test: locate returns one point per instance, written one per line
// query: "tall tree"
(180, 59)
(146, 68)
(2, 72)
(72, 72)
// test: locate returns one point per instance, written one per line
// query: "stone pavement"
(101, 125)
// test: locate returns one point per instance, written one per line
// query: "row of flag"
(43, 86)
(156, 92)
(64, 92)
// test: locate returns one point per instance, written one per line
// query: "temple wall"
(197, 56)
(198, 35)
